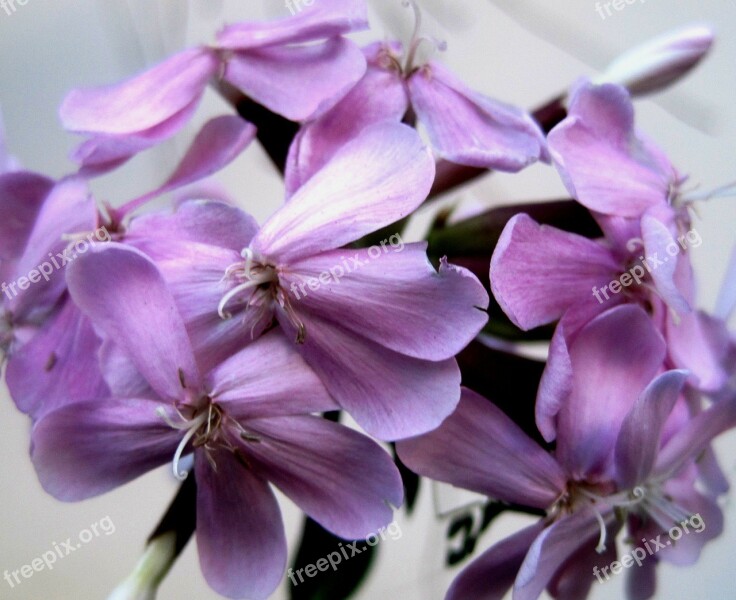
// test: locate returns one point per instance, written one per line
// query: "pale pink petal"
(392, 295)
(374, 180)
(471, 129)
(297, 82)
(143, 101)
(379, 96)
(314, 20)
(538, 272)
(481, 449)
(613, 359)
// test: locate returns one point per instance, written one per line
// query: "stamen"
(416, 39)
(234, 292)
(195, 424)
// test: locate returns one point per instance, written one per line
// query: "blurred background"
(521, 51)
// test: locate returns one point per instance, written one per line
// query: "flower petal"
(208, 222)
(613, 359)
(218, 143)
(602, 162)
(57, 366)
(240, 534)
(297, 82)
(143, 101)
(657, 241)
(288, 386)
(479, 448)
(374, 180)
(552, 548)
(126, 298)
(69, 208)
(21, 197)
(390, 395)
(695, 436)
(641, 431)
(492, 574)
(86, 449)
(339, 477)
(471, 129)
(323, 19)
(379, 96)
(401, 295)
(538, 272)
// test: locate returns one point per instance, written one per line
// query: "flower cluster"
(186, 336)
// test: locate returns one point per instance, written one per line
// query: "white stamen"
(195, 424)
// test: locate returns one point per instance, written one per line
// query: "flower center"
(257, 283)
(205, 429)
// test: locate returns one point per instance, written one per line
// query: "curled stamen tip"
(600, 548)
(181, 475)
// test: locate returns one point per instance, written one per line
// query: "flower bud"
(660, 62)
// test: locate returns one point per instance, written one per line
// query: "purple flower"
(540, 274)
(269, 62)
(52, 347)
(247, 423)
(621, 449)
(46, 341)
(365, 319)
(464, 127)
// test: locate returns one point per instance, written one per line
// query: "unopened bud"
(660, 62)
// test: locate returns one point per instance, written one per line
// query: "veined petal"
(209, 222)
(379, 96)
(613, 359)
(21, 197)
(69, 208)
(297, 82)
(240, 534)
(471, 129)
(143, 101)
(492, 574)
(538, 272)
(126, 298)
(339, 477)
(374, 180)
(219, 142)
(86, 449)
(286, 386)
(602, 162)
(657, 239)
(102, 153)
(479, 448)
(57, 366)
(699, 343)
(390, 395)
(552, 548)
(323, 19)
(695, 436)
(641, 430)
(404, 304)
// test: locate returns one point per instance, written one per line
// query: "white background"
(526, 57)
